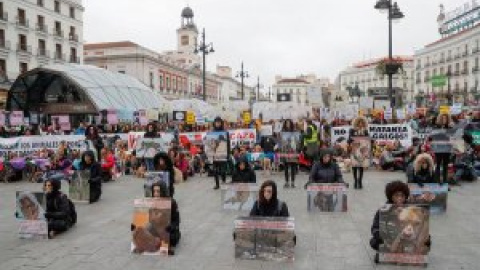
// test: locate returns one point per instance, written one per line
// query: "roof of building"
(187, 12)
(292, 80)
(452, 36)
(375, 61)
(106, 45)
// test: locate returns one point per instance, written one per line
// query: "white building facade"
(298, 89)
(39, 32)
(362, 78)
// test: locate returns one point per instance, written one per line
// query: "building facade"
(448, 70)
(363, 79)
(35, 33)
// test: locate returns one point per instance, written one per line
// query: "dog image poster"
(265, 238)
(150, 220)
(239, 197)
(30, 215)
(327, 198)
(216, 146)
(79, 188)
(405, 232)
(434, 195)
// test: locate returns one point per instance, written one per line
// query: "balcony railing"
(74, 59)
(42, 28)
(465, 72)
(441, 61)
(73, 37)
(41, 52)
(57, 33)
(4, 44)
(475, 69)
(59, 56)
(22, 22)
(4, 16)
(24, 48)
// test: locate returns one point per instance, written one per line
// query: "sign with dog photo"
(216, 146)
(265, 238)
(434, 195)
(327, 198)
(30, 214)
(149, 227)
(239, 197)
(405, 234)
(79, 189)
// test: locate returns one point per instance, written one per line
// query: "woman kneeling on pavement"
(325, 170)
(159, 190)
(88, 163)
(58, 209)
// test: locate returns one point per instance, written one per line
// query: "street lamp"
(205, 49)
(258, 88)
(394, 13)
(242, 74)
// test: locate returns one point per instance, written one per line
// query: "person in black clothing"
(423, 170)
(443, 121)
(151, 131)
(88, 163)
(268, 205)
(162, 162)
(58, 208)
(91, 134)
(243, 173)
(159, 190)
(220, 167)
(290, 166)
(325, 170)
(397, 193)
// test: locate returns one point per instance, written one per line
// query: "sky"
(271, 37)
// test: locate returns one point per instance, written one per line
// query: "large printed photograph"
(434, 195)
(290, 146)
(156, 177)
(79, 188)
(216, 146)
(327, 198)
(239, 197)
(30, 214)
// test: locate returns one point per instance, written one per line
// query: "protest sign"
(392, 132)
(404, 231)
(30, 214)
(388, 114)
(133, 138)
(27, 145)
(239, 197)
(150, 220)
(400, 114)
(339, 132)
(456, 109)
(382, 104)
(243, 137)
(126, 116)
(266, 130)
(149, 147)
(440, 141)
(434, 195)
(265, 238)
(79, 190)
(153, 177)
(278, 126)
(179, 116)
(290, 146)
(361, 150)
(327, 198)
(112, 117)
(216, 146)
(195, 138)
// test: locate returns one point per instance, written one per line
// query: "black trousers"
(358, 176)
(290, 167)
(442, 160)
(219, 170)
(58, 225)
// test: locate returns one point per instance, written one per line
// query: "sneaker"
(286, 185)
(216, 187)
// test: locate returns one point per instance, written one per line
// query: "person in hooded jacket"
(243, 173)
(220, 167)
(58, 208)
(91, 134)
(162, 162)
(397, 193)
(268, 205)
(88, 163)
(424, 170)
(325, 170)
(151, 133)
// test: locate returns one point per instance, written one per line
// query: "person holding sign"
(151, 133)
(163, 162)
(268, 205)
(88, 163)
(243, 173)
(358, 158)
(220, 167)
(290, 140)
(442, 159)
(325, 170)
(58, 212)
(423, 170)
(159, 190)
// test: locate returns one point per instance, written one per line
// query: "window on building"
(72, 12)
(184, 40)
(58, 52)
(151, 80)
(72, 35)
(23, 67)
(168, 83)
(21, 17)
(42, 47)
(160, 81)
(40, 22)
(121, 71)
(2, 38)
(476, 62)
(58, 28)
(57, 6)
(40, 3)
(22, 42)
(73, 55)
(3, 69)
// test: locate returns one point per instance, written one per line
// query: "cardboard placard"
(30, 214)
(327, 198)
(216, 146)
(79, 188)
(239, 197)
(434, 195)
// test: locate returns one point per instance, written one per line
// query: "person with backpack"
(268, 205)
(88, 163)
(60, 211)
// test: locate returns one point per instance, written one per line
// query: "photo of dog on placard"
(79, 190)
(30, 214)
(239, 197)
(434, 195)
(327, 198)
(216, 146)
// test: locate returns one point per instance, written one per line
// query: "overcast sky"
(286, 37)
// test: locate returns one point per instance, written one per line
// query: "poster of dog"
(155, 177)
(361, 152)
(30, 214)
(265, 238)
(290, 146)
(239, 197)
(148, 147)
(327, 198)
(405, 232)
(434, 195)
(216, 146)
(79, 189)
(149, 227)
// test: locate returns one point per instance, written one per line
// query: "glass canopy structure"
(79, 89)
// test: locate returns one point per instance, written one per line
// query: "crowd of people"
(314, 152)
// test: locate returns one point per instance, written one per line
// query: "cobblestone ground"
(101, 238)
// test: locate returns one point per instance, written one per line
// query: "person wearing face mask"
(397, 193)
(58, 213)
(162, 162)
(268, 205)
(325, 170)
(88, 163)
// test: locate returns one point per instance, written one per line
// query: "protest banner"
(290, 146)
(265, 238)
(153, 177)
(125, 116)
(266, 130)
(243, 137)
(195, 138)
(327, 198)
(338, 133)
(391, 132)
(366, 102)
(239, 197)
(79, 190)
(216, 146)
(150, 219)
(27, 145)
(405, 232)
(149, 147)
(434, 195)
(30, 214)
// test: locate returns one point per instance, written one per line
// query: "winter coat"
(423, 176)
(326, 173)
(246, 175)
(95, 180)
(276, 208)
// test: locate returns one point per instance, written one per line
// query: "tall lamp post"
(205, 49)
(394, 13)
(242, 74)
(258, 88)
